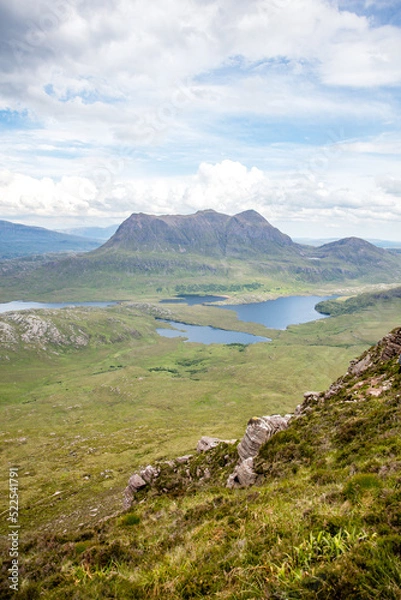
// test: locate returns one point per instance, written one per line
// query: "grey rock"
(243, 475)
(184, 459)
(207, 443)
(358, 367)
(135, 483)
(258, 431)
(149, 473)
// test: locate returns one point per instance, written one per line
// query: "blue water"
(279, 313)
(208, 335)
(21, 305)
(275, 314)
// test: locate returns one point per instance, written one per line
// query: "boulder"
(207, 443)
(258, 431)
(135, 483)
(149, 473)
(243, 475)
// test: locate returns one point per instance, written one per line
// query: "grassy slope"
(80, 422)
(112, 275)
(358, 302)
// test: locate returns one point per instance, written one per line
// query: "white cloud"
(169, 80)
(228, 187)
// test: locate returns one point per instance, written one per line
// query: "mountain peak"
(206, 232)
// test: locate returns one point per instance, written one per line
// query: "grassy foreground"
(78, 421)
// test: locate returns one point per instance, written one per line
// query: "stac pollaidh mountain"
(205, 251)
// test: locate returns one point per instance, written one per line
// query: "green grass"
(78, 423)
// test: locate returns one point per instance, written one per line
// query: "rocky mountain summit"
(206, 232)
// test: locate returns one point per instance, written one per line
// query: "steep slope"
(323, 520)
(21, 240)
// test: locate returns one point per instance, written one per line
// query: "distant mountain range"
(94, 233)
(21, 240)
(203, 252)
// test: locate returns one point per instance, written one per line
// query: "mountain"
(353, 250)
(206, 232)
(350, 258)
(21, 240)
(388, 244)
(206, 252)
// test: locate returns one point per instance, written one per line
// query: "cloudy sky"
(290, 107)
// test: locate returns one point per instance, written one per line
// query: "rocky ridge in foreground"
(242, 465)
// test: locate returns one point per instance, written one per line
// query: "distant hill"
(21, 240)
(390, 245)
(352, 250)
(94, 233)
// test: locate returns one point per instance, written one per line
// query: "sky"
(287, 107)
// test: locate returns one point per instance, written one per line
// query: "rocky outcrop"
(38, 330)
(388, 348)
(214, 460)
(259, 430)
(206, 443)
(138, 481)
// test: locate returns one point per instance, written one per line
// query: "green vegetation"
(357, 303)
(79, 419)
(214, 288)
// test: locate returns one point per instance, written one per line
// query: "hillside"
(321, 521)
(202, 253)
(357, 303)
(22, 240)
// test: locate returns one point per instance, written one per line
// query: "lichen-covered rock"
(258, 431)
(243, 475)
(206, 443)
(149, 473)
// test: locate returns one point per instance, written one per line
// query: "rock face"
(259, 430)
(137, 481)
(207, 232)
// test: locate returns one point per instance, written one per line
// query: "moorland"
(90, 395)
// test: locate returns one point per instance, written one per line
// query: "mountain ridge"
(204, 232)
(17, 240)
